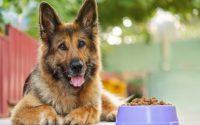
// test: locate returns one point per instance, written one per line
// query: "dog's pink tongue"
(77, 81)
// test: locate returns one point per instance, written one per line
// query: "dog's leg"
(31, 111)
(88, 110)
(84, 115)
(110, 104)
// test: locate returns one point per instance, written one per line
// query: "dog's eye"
(62, 46)
(81, 43)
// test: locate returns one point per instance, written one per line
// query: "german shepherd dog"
(65, 86)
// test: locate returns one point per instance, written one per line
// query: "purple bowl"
(147, 115)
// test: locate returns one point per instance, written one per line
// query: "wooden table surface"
(6, 121)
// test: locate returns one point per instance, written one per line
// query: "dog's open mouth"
(76, 81)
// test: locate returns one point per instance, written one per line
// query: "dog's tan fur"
(47, 99)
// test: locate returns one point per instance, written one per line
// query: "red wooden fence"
(4, 70)
(18, 55)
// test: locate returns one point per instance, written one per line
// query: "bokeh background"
(149, 48)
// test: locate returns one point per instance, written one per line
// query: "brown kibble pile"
(146, 101)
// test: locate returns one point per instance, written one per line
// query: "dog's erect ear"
(48, 19)
(88, 15)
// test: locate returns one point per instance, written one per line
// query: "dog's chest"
(58, 97)
(63, 104)
(62, 100)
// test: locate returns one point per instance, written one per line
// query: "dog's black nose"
(76, 65)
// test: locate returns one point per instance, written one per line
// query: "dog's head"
(69, 51)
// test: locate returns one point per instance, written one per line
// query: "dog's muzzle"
(76, 77)
(76, 66)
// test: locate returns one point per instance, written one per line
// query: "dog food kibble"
(146, 101)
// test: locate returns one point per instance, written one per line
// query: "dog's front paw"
(50, 119)
(74, 119)
(82, 116)
(111, 117)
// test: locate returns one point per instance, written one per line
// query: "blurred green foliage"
(140, 11)
(111, 12)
